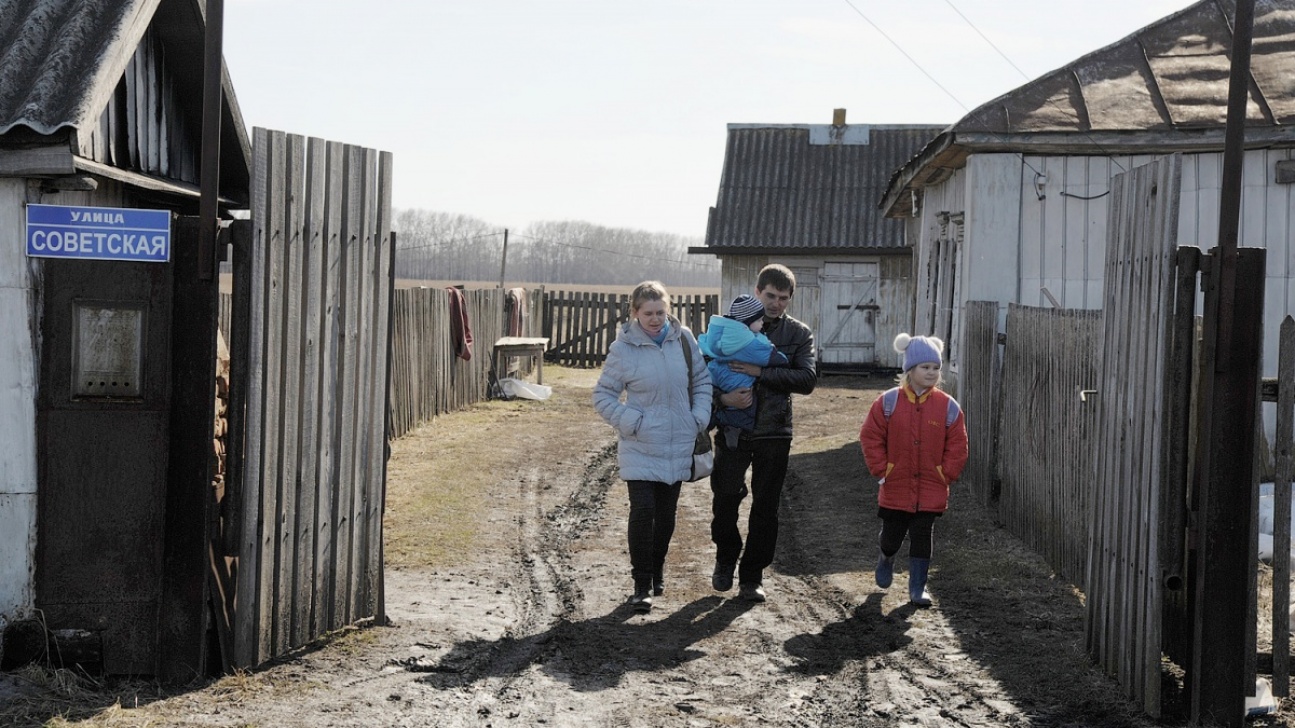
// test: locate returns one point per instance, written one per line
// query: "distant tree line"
(446, 246)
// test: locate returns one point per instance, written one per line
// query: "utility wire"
(614, 252)
(1026, 76)
(444, 243)
(926, 73)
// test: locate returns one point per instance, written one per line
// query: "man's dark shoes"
(722, 578)
(658, 586)
(641, 602)
(751, 592)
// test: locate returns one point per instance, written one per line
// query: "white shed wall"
(17, 409)
(1018, 245)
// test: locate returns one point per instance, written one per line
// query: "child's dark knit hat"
(918, 349)
(745, 308)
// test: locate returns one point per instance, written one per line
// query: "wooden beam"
(37, 161)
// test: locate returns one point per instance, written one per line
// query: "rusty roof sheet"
(1168, 80)
(807, 187)
(1171, 74)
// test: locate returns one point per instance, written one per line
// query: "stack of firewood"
(222, 422)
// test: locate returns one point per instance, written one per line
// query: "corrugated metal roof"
(1163, 88)
(55, 54)
(61, 61)
(781, 189)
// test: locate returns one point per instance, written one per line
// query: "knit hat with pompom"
(918, 349)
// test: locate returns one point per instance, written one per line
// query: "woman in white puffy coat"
(656, 425)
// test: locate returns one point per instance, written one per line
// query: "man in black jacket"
(765, 449)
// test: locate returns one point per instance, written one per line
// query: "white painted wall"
(18, 356)
(1016, 244)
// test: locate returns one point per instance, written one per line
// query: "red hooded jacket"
(916, 452)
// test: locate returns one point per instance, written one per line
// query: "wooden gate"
(850, 307)
(301, 546)
(1126, 579)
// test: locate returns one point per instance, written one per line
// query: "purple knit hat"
(918, 349)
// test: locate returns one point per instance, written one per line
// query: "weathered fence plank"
(982, 362)
(1044, 445)
(1124, 583)
(1282, 509)
(310, 382)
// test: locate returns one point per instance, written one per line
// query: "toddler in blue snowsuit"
(736, 337)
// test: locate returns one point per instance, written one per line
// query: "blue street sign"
(98, 233)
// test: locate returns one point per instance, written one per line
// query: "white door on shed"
(849, 333)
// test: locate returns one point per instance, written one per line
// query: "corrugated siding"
(779, 190)
(1062, 238)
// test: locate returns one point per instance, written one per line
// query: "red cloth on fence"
(516, 311)
(460, 327)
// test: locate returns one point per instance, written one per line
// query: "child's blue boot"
(917, 571)
(885, 569)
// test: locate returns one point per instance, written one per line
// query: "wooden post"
(503, 260)
(1282, 510)
(1229, 389)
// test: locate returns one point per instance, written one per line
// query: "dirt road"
(527, 624)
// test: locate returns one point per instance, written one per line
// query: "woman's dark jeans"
(652, 515)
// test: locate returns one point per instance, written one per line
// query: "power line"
(444, 243)
(614, 252)
(1026, 76)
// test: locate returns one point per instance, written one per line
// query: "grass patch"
(443, 472)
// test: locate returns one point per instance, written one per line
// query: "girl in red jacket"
(915, 442)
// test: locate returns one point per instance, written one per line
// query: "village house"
(1009, 204)
(100, 123)
(805, 196)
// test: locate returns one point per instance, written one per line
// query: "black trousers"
(767, 460)
(919, 527)
(651, 526)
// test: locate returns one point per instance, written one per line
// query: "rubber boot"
(885, 570)
(917, 571)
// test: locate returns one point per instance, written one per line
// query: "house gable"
(117, 87)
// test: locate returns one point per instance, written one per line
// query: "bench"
(510, 346)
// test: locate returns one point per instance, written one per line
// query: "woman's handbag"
(703, 452)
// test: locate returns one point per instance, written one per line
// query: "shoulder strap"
(888, 401)
(687, 360)
(952, 415)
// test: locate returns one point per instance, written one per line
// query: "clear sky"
(614, 111)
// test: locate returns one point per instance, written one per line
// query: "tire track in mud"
(544, 593)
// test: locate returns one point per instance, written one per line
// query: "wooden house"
(805, 196)
(1009, 204)
(100, 109)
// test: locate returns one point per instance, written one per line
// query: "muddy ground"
(523, 620)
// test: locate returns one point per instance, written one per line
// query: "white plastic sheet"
(525, 390)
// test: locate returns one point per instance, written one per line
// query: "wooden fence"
(581, 326)
(1285, 474)
(427, 379)
(302, 515)
(979, 393)
(1046, 436)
